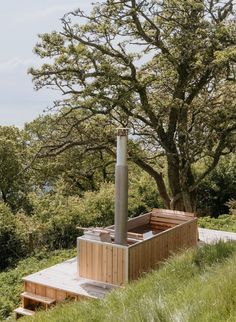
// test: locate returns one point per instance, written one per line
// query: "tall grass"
(195, 286)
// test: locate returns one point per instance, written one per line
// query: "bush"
(218, 188)
(223, 222)
(143, 194)
(58, 215)
(30, 232)
(10, 243)
(97, 207)
(5, 307)
(232, 207)
(55, 216)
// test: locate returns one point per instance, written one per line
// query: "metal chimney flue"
(121, 188)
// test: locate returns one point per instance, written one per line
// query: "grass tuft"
(208, 255)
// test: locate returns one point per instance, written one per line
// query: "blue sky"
(20, 23)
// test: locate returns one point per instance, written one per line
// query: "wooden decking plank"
(38, 298)
(23, 311)
(63, 277)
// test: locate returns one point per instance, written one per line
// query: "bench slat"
(155, 215)
(173, 212)
(167, 220)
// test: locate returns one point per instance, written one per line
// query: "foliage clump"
(223, 222)
(54, 217)
(10, 243)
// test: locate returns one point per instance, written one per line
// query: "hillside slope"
(197, 285)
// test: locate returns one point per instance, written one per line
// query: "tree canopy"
(13, 179)
(164, 69)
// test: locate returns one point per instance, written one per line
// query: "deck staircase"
(30, 302)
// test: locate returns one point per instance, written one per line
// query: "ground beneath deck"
(64, 277)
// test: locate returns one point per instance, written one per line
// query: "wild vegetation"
(223, 222)
(44, 199)
(165, 70)
(52, 215)
(175, 292)
(11, 279)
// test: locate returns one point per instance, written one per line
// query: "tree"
(13, 178)
(82, 168)
(165, 69)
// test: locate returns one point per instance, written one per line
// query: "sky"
(20, 23)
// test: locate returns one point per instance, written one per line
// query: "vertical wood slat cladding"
(102, 262)
(146, 254)
(42, 290)
(115, 264)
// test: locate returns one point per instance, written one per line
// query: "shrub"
(5, 307)
(218, 188)
(232, 206)
(97, 207)
(143, 195)
(10, 243)
(56, 215)
(223, 222)
(30, 232)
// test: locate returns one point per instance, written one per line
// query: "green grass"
(223, 222)
(195, 286)
(11, 280)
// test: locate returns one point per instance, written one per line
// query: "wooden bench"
(162, 219)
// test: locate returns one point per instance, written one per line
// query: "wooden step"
(20, 311)
(38, 298)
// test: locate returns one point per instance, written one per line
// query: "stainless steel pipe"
(121, 188)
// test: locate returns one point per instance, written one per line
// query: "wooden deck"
(61, 281)
(101, 266)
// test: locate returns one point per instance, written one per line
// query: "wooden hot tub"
(151, 238)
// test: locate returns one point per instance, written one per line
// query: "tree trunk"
(158, 177)
(174, 182)
(189, 198)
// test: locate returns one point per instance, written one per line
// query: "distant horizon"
(23, 21)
